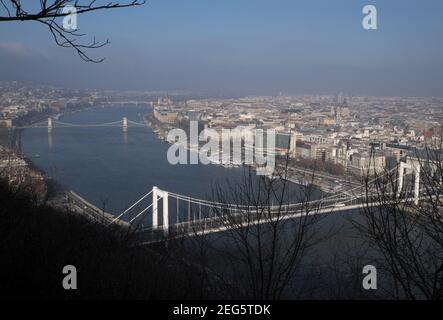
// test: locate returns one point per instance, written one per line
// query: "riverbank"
(28, 176)
(20, 171)
(300, 176)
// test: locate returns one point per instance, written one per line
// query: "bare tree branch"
(48, 12)
(408, 237)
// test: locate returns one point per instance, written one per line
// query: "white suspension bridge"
(178, 215)
(156, 221)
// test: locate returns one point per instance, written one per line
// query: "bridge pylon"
(156, 194)
(415, 168)
(50, 126)
(293, 144)
(125, 124)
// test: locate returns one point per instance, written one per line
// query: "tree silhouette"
(47, 12)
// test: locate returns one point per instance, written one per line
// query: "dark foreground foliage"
(36, 242)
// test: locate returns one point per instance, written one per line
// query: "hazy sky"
(243, 46)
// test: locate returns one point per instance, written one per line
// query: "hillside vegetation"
(36, 242)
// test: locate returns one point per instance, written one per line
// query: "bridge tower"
(293, 144)
(50, 126)
(156, 194)
(403, 169)
(125, 124)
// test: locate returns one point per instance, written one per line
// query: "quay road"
(327, 182)
(75, 203)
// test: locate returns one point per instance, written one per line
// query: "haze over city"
(242, 47)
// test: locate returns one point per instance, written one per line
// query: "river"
(113, 169)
